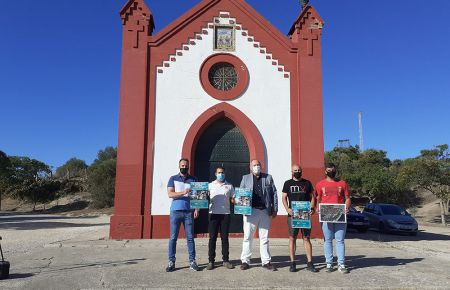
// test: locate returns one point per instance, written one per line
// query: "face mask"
(297, 175)
(220, 176)
(331, 174)
(184, 171)
(256, 169)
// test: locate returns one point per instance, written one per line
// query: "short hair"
(219, 167)
(330, 165)
(254, 159)
(183, 159)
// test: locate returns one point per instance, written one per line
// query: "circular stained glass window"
(223, 76)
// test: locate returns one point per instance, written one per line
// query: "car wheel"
(363, 230)
(382, 228)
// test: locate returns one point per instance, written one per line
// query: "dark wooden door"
(222, 144)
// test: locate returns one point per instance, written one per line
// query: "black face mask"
(184, 171)
(331, 174)
(297, 175)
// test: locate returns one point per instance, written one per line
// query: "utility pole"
(361, 141)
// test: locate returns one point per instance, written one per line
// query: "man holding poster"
(333, 191)
(264, 208)
(299, 190)
(178, 188)
(221, 194)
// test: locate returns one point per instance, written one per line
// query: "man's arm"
(348, 201)
(242, 182)
(275, 198)
(285, 203)
(173, 194)
(313, 200)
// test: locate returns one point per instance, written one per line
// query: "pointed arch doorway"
(221, 144)
(220, 130)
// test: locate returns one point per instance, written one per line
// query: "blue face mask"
(220, 176)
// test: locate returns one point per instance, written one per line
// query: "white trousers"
(259, 219)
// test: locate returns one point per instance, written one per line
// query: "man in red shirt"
(333, 190)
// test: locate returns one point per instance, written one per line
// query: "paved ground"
(62, 252)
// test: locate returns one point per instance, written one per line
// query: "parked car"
(357, 220)
(389, 218)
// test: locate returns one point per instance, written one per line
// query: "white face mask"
(256, 169)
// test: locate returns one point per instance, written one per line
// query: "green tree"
(24, 168)
(30, 180)
(72, 168)
(430, 171)
(101, 178)
(5, 173)
(34, 191)
(371, 174)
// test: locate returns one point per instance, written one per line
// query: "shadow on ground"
(379, 237)
(361, 261)
(35, 222)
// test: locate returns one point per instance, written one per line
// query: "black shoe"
(245, 266)
(194, 266)
(310, 267)
(269, 267)
(170, 267)
(210, 266)
(293, 267)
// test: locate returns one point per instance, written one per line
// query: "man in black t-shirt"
(298, 189)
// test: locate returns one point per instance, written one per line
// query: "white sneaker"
(343, 269)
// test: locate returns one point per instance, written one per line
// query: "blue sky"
(60, 72)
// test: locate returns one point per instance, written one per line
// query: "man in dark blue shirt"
(178, 189)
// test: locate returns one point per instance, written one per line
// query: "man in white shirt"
(221, 193)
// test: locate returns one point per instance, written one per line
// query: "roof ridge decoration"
(138, 19)
(308, 28)
(205, 30)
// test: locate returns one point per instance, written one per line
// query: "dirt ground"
(67, 252)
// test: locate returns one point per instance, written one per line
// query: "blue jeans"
(334, 231)
(178, 217)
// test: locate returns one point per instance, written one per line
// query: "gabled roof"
(231, 6)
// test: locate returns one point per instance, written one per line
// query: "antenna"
(342, 143)
(361, 141)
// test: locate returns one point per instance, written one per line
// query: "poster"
(199, 195)
(243, 201)
(332, 213)
(301, 217)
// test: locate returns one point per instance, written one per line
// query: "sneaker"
(194, 266)
(269, 267)
(292, 268)
(245, 266)
(343, 269)
(228, 265)
(310, 267)
(210, 266)
(329, 268)
(170, 267)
